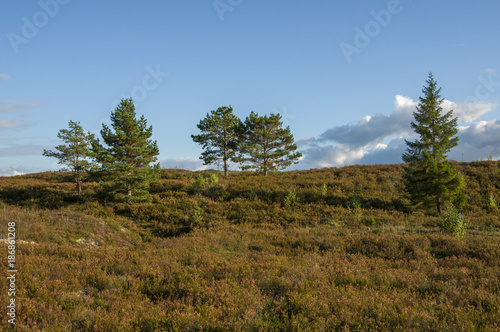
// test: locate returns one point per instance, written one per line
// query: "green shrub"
(253, 195)
(206, 186)
(196, 219)
(453, 222)
(290, 198)
(199, 183)
(492, 203)
(213, 180)
(354, 202)
(323, 190)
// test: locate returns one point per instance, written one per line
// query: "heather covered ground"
(318, 250)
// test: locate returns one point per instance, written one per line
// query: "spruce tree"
(128, 154)
(74, 153)
(265, 145)
(430, 179)
(218, 136)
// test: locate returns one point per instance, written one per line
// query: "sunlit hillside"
(316, 250)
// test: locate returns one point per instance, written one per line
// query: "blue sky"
(345, 75)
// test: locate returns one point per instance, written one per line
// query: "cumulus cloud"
(468, 112)
(189, 163)
(482, 133)
(389, 153)
(372, 130)
(4, 77)
(478, 141)
(317, 155)
(193, 164)
(380, 139)
(13, 170)
(14, 106)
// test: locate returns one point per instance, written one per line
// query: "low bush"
(453, 222)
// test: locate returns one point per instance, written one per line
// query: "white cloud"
(13, 106)
(12, 124)
(193, 164)
(13, 170)
(402, 104)
(482, 134)
(478, 141)
(389, 154)
(381, 138)
(189, 163)
(317, 155)
(468, 112)
(4, 77)
(372, 130)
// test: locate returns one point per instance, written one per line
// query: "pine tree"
(265, 145)
(430, 179)
(129, 153)
(218, 136)
(74, 153)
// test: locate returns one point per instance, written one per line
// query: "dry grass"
(238, 258)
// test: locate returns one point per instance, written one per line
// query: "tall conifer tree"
(128, 154)
(218, 136)
(430, 179)
(74, 153)
(265, 145)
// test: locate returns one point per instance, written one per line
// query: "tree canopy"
(75, 151)
(218, 137)
(128, 153)
(430, 178)
(265, 145)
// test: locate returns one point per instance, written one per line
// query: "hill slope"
(252, 253)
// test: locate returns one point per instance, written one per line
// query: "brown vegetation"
(253, 253)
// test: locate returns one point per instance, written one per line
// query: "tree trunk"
(78, 182)
(225, 161)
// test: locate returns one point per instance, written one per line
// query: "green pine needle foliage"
(323, 190)
(265, 145)
(430, 179)
(74, 153)
(218, 136)
(127, 157)
(290, 199)
(453, 222)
